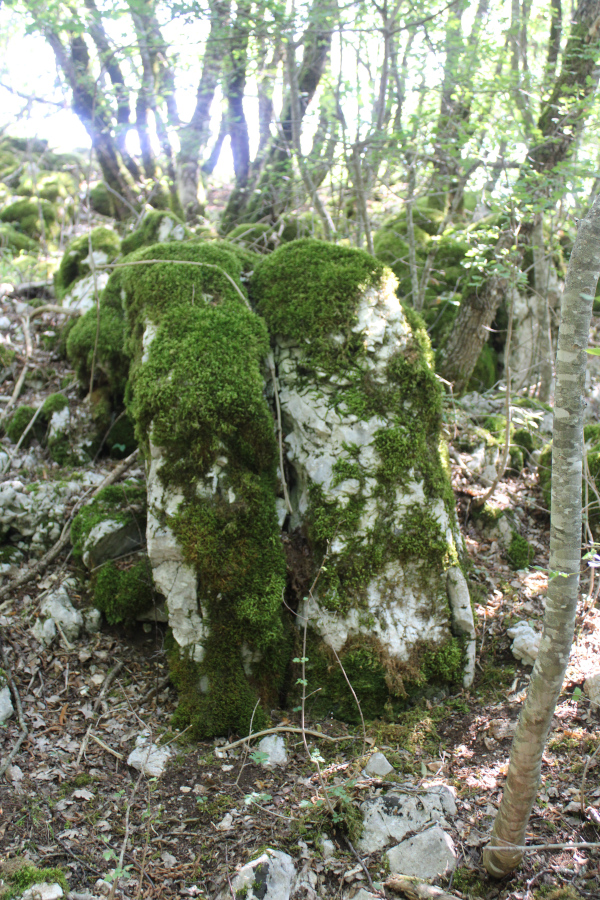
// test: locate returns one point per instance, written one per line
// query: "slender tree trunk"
(195, 135)
(541, 273)
(565, 554)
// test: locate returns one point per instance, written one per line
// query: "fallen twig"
(52, 308)
(288, 728)
(110, 677)
(104, 746)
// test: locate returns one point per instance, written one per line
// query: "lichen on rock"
(362, 411)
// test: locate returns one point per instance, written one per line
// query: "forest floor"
(70, 799)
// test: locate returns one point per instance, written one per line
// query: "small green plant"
(520, 554)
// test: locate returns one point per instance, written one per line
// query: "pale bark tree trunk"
(508, 835)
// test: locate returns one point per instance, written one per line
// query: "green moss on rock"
(157, 226)
(123, 591)
(319, 284)
(122, 503)
(54, 403)
(198, 393)
(14, 241)
(25, 214)
(19, 421)
(73, 264)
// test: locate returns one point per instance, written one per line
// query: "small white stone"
(149, 759)
(43, 891)
(226, 823)
(274, 746)
(378, 766)
(526, 642)
(6, 707)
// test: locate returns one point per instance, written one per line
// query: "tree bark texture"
(508, 834)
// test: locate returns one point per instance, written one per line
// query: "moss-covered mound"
(14, 241)
(157, 227)
(105, 333)
(22, 416)
(26, 215)
(308, 291)
(104, 243)
(197, 400)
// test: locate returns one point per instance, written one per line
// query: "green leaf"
(259, 757)
(577, 694)
(593, 351)
(587, 297)
(300, 659)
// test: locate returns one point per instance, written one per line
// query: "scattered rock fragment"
(270, 877)
(526, 642)
(58, 607)
(148, 758)
(393, 816)
(426, 855)
(274, 746)
(378, 766)
(6, 707)
(502, 728)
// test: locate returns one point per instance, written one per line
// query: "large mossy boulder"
(75, 266)
(197, 396)
(157, 227)
(26, 215)
(363, 459)
(370, 488)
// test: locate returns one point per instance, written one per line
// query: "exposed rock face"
(270, 877)
(366, 478)
(426, 855)
(175, 579)
(391, 817)
(361, 413)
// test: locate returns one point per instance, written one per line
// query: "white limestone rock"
(6, 706)
(58, 607)
(43, 891)
(110, 539)
(173, 578)
(92, 620)
(148, 758)
(270, 877)
(378, 766)
(526, 642)
(274, 746)
(427, 855)
(397, 607)
(35, 512)
(391, 817)
(462, 617)
(82, 295)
